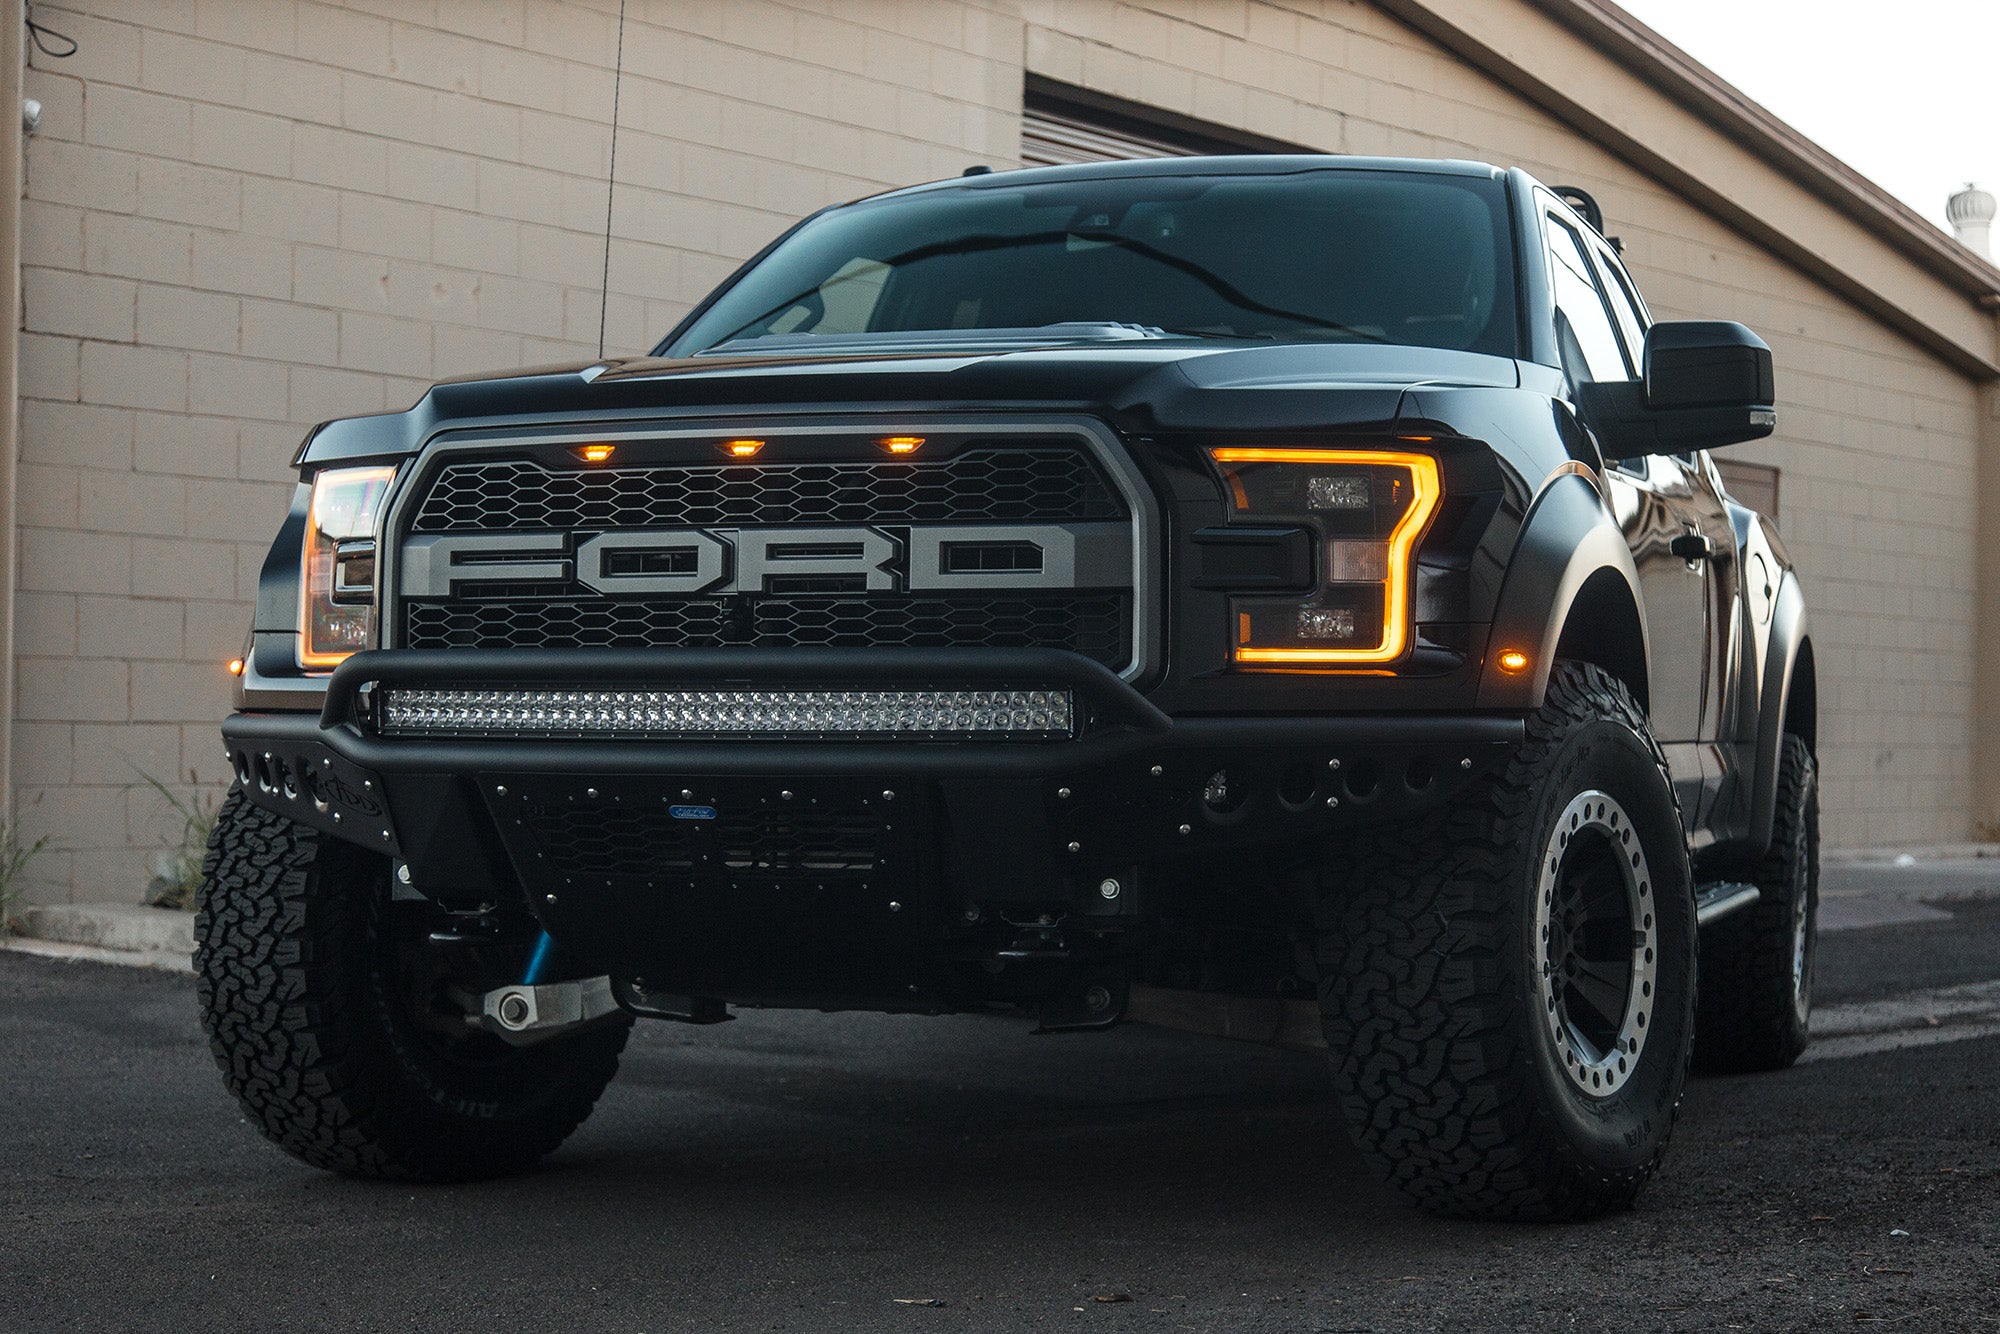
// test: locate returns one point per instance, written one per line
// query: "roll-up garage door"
(1051, 136)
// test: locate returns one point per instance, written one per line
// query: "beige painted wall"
(244, 216)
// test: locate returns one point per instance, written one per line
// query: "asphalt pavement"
(809, 1172)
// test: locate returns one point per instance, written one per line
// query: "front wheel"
(1508, 990)
(328, 1007)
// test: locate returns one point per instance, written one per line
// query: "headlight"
(1366, 509)
(337, 610)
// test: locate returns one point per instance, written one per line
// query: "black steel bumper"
(841, 858)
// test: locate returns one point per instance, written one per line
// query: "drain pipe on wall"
(1985, 738)
(13, 28)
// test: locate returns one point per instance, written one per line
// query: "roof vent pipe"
(1971, 213)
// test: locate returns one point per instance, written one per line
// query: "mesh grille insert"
(987, 484)
(1091, 624)
(624, 840)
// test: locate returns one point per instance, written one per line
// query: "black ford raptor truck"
(1287, 577)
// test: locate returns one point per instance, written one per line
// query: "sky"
(1907, 94)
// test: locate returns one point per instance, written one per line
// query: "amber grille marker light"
(1513, 660)
(595, 453)
(901, 444)
(236, 666)
(1425, 490)
(742, 449)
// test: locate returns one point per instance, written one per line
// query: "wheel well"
(1802, 700)
(1602, 627)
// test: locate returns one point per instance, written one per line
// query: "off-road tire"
(1451, 1083)
(301, 1014)
(1755, 1007)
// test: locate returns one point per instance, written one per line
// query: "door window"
(1625, 307)
(1589, 348)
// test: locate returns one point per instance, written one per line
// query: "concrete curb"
(1936, 852)
(163, 960)
(112, 928)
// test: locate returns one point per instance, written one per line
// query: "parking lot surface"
(815, 1172)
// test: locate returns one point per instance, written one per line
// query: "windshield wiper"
(1217, 284)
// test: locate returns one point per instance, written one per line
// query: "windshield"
(1331, 254)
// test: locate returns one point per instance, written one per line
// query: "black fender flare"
(1787, 645)
(1567, 538)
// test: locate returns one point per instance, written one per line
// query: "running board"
(1719, 900)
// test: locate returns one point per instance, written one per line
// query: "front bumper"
(768, 867)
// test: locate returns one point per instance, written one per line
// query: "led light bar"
(1038, 715)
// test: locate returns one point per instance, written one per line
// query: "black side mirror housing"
(1705, 384)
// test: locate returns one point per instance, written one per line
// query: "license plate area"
(746, 889)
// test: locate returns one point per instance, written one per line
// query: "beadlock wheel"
(1596, 944)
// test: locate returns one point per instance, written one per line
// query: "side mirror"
(1705, 384)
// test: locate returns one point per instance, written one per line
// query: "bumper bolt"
(1063, 792)
(1157, 770)
(1076, 847)
(1108, 889)
(785, 795)
(888, 795)
(1332, 802)
(590, 792)
(687, 794)
(513, 1011)
(499, 791)
(1097, 999)
(895, 906)
(1187, 829)
(550, 900)
(403, 874)
(971, 915)
(1465, 763)
(1333, 764)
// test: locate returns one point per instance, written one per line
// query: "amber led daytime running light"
(1425, 490)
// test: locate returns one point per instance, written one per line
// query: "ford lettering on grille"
(641, 562)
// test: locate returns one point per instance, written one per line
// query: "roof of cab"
(1249, 164)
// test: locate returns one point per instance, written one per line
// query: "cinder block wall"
(246, 216)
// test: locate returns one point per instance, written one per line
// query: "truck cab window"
(1589, 347)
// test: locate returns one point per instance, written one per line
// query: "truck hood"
(1141, 386)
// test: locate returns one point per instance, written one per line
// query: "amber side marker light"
(1513, 661)
(901, 444)
(742, 449)
(236, 666)
(594, 453)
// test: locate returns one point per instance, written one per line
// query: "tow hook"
(524, 1015)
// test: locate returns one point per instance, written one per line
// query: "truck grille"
(987, 484)
(531, 514)
(1092, 624)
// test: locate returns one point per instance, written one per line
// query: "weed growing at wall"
(178, 869)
